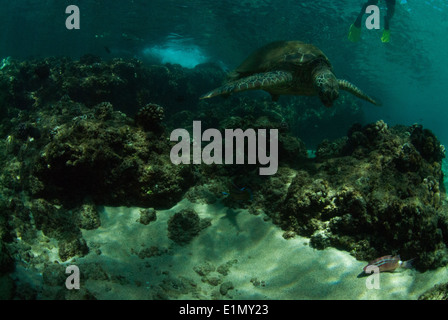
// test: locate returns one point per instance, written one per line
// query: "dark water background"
(409, 74)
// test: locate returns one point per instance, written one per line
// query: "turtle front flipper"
(260, 81)
(347, 86)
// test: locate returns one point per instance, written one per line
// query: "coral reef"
(110, 161)
(77, 135)
(372, 193)
(67, 149)
(150, 117)
(56, 223)
(127, 84)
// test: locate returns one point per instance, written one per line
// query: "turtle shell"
(280, 55)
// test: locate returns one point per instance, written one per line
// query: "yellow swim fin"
(385, 38)
(354, 33)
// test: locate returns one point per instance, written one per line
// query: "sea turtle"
(288, 67)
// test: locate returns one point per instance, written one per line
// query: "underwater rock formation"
(147, 216)
(372, 193)
(87, 217)
(110, 161)
(127, 84)
(150, 117)
(68, 150)
(185, 225)
(438, 292)
(56, 223)
(78, 134)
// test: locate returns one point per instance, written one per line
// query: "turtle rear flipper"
(347, 86)
(258, 81)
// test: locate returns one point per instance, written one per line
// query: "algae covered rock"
(87, 217)
(438, 292)
(53, 222)
(185, 225)
(150, 117)
(108, 161)
(147, 216)
(375, 192)
(225, 287)
(70, 247)
(57, 223)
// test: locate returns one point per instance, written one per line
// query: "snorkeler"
(355, 29)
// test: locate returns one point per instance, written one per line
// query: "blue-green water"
(409, 74)
(41, 189)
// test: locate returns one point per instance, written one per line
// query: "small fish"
(389, 263)
(243, 194)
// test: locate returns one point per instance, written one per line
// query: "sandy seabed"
(239, 256)
(261, 264)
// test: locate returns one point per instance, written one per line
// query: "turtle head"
(327, 86)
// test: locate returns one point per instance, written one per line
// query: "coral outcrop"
(377, 191)
(150, 117)
(76, 135)
(126, 83)
(110, 161)
(185, 225)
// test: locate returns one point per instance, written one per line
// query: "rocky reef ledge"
(379, 190)
(78, 135)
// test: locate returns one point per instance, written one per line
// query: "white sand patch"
(267, 267)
